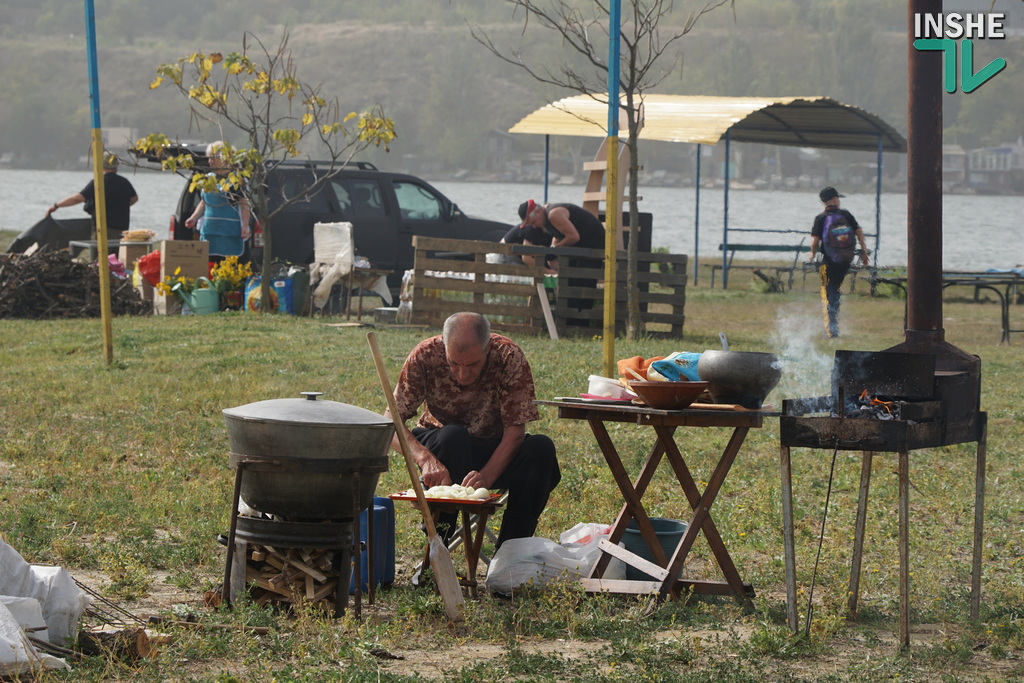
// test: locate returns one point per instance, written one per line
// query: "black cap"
(828, 193)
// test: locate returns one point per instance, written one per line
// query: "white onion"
(457, 492)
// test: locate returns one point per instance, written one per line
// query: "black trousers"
(530, 477)
(832, 275)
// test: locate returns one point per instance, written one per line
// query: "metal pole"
(924, 182)
(725, 219)
(696, 220)
(547, 165)
(611, 189)
(98, 186)
(878, 204)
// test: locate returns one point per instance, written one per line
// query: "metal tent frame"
(790, 121)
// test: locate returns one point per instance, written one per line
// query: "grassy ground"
(120, 474)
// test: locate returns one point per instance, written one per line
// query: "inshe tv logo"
(941, 32)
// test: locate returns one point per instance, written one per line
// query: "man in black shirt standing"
(120, 196)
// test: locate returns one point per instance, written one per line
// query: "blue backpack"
(838, 237)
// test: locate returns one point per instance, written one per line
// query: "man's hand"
(434, 473)
(476, 480)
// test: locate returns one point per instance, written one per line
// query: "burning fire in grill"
(873, 407)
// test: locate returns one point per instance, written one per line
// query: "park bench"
(733, 247)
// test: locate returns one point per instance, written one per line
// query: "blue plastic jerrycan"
(383, 546)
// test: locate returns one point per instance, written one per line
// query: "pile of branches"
(49, 284)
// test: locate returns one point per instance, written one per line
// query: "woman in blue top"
(224, 221)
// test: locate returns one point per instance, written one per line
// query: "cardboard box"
(130, 252)
(192, 257)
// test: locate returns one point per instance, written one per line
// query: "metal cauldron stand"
(341, 535)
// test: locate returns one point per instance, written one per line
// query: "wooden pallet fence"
(454, 275)
(661, 282)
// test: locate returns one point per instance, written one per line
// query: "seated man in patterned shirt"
(477, 391)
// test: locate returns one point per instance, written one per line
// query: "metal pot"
(741, 377)
(294, 431)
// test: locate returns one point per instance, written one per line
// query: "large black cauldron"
(300, 429)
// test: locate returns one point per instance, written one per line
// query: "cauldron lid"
(307, 410)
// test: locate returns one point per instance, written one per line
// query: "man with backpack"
(837, 232)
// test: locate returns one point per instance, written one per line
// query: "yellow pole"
(612, 209)
(97, 183)
(611, 223)
(101, 243)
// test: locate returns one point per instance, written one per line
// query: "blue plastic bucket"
(668, 531)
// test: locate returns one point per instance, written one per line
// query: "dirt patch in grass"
(856, 649)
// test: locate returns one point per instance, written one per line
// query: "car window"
(417, 202)
(285, 186)
(360, 198)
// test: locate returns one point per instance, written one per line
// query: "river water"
(974, 226)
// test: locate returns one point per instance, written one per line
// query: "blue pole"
(94, 75)
(613, 70)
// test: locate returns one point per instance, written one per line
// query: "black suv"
(385, 209)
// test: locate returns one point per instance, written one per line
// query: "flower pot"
(233, 300)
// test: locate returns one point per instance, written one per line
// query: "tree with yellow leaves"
(258, 92)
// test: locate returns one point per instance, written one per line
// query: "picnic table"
(1005, 285)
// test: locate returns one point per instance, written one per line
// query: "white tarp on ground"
(59, 605)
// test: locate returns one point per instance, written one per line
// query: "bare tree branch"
(643, 65)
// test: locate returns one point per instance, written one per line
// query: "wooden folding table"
(664, 424)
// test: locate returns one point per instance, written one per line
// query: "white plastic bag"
(582, 541)
(334, 255)
(404, 314)
(539, 561)
(62, 601)
(535, 561)
(17, 655)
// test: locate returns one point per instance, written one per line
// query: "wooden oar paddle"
(440, 559)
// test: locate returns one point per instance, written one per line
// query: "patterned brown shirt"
(502, 395)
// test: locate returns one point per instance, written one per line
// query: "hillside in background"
(445, 92)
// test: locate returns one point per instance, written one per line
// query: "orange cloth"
(636, 363)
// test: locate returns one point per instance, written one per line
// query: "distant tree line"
(445, 93)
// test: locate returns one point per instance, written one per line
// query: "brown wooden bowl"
(668, 395)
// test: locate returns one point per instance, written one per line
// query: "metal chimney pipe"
(924, 333)
(924, 183)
